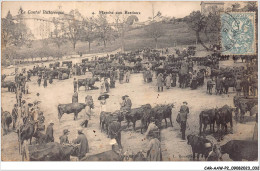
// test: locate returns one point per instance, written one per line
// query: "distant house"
(211, 7)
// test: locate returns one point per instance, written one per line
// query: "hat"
(23, 101)
(185, 102)
(65, 131)
(126, 96)
(37, 94)
(103, 96)
(51, 122)
(80, 130)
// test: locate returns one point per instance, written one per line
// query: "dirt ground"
(173, 148)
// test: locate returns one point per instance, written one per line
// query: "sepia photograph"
(129, 81)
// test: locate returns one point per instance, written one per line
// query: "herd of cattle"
(110, 122)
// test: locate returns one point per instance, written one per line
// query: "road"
(174, 149)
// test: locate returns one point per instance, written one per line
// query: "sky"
(177, 9)
(170, 9)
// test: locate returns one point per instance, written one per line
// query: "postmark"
(238, 33)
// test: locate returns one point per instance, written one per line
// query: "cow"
(10, 85)
(108, 118)
(199, 145)
(207, 117)
(102, 119)
(40, 137)
(6, 120)
(137, 114)
(241, 149)
(26, 132)
(114, 131)
(52, 151)
(223, 116)
(228, 82)
(110, 155)
(243, 105)
(88, 83)
(161, 112)
(70, 108)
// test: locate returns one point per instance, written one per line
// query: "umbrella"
(104, 96)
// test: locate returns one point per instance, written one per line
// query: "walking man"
(184, 111)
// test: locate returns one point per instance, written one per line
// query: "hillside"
(134, 39)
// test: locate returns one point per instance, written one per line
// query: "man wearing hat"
(184, 111)
(126, 104)
(64, 138)
(49, 133)
(83, 144)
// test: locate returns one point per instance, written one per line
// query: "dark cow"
(40, 137)
(161, 112)
(228, 82)
(241, 149)
(110, 155)
(26, 132)
(6, 120)
(243, 105)
(223, 117)
(87, 83)
(114, 131)
(137, 114)
(52, 151)
(199, 145)
(10, 85)
(70, 108)
(207, 117)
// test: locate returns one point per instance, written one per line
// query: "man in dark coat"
(184, 111)
(83, 144)
(64, 138)
(49, 133)
(75, 84)
(75, 97)
(14, 115)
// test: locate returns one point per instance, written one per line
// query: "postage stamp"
(238, 33)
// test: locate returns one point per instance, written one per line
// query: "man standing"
(49, 133)
(184, 111)
(83, 144)
(14, 115)
(75, 84)
(127, 76)
(64, 138)
(75, 97)
(39, 80)
(160, 82)
(154, 150)
(25, 111)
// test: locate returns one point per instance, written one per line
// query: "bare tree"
(104, 30)
(73, 27)
(122, 25)
(197, 22)
(90, 32)
(154, 30)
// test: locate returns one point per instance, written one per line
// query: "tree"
(155, 31)
(122, 25)
(14, 33)
(104, 30)
(73, 27)
(197, 22)
(89, 31)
